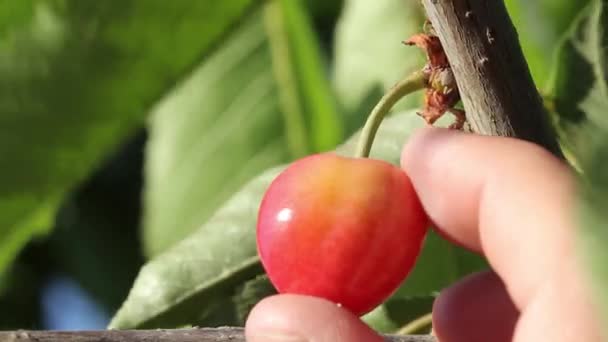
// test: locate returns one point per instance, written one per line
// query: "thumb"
(296, 318)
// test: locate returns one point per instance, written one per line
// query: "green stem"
(412, 83)
(417, 325)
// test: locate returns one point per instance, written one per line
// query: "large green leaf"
(540, 25)
(194, 274)
(580, 90)
(369, 55)
(579, 87)
(260, 100)
(76, 77)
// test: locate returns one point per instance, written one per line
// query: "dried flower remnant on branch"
(441, 91)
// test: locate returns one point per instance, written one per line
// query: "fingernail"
(275, 337)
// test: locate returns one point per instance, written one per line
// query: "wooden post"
(178, 335)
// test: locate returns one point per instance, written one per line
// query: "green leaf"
(314, 87)
(260, 100)
(77, 77)
(579, 87)
(249, 294)
(440, 265)
(369, 54)
(580, 90)
(325, 9)
(173, 288)
(302, 84)
(540, 25)
(205, 139)
(594, 236)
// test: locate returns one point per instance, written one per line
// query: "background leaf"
(309, 69)
(540, 25)
(580, 93)
(579, 88)
(220, 127)
(439, 265)
(249, 294)
(594, 237)
(369, 56)
(260, 100)
(76, 77)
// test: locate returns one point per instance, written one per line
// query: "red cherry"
(344, 229)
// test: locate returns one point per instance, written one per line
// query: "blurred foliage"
(76, 77)
(594, 239)
(95, 240)
(249, 294)
(153, 127)
(19, 297)
(259, 100)
(579, 84)
(369, 57)
(580, 97)
(541, 24)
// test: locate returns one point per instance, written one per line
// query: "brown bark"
(496, 87)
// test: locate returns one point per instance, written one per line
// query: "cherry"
(345, 229)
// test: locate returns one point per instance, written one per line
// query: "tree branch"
(496, 87)
(177, 335)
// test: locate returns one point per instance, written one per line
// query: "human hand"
(507, 199)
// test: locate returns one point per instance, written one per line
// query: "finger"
(562, 311)
(296, 318)
(476, 309)
(510, 199)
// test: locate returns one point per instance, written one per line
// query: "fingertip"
(295, 318)
(265, 319)
(496, 195)
(477, 308)
(436, 163)
(422, 141)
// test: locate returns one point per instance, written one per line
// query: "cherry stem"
(410, 84)
(417, 325)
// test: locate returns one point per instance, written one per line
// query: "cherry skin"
(345, 229)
